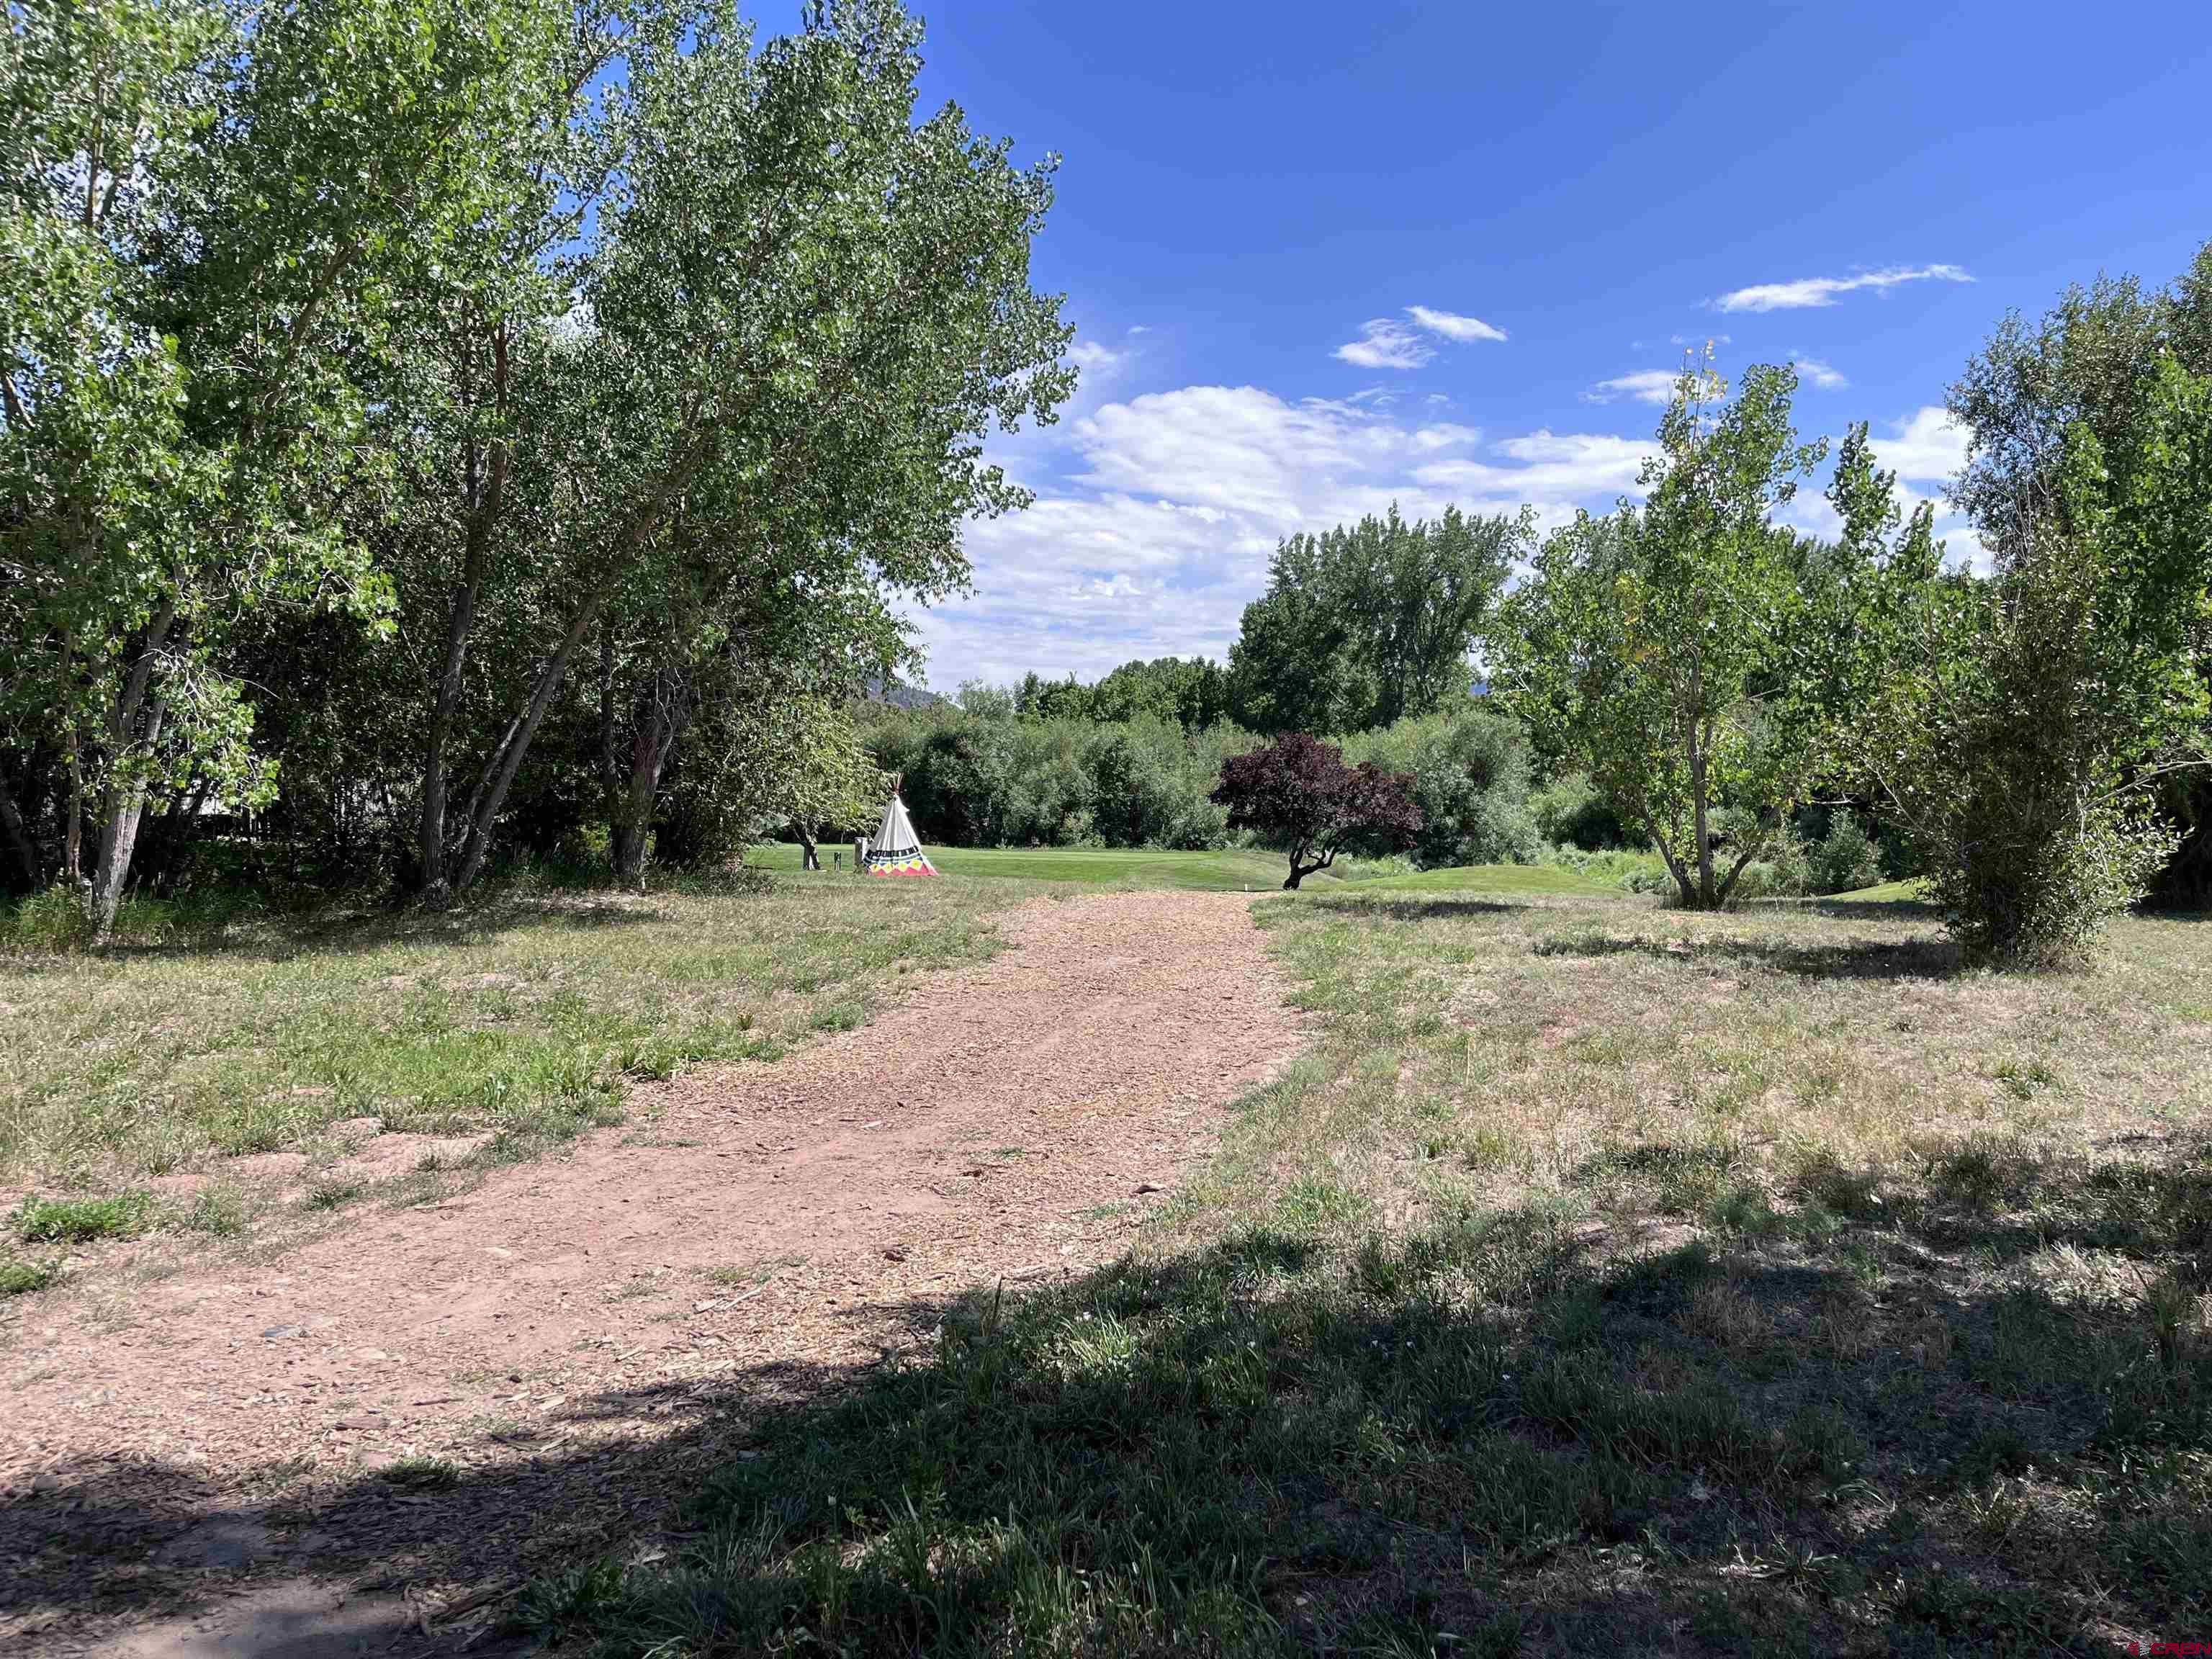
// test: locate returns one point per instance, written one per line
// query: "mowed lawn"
(1233, 870)
(1604, 1280)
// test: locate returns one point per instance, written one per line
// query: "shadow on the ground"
(1862, 1421)
(1442, 906)
(1912, 958)
(361, 932)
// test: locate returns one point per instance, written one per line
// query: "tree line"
(1698, 679)
(438, 435)
(440, 430)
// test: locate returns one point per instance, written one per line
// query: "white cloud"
(1822, 290)
(1688, 341)
(1453, 326)
(1163, 534)
(1385, 343)
(1824, 377)
(1556, 472)
(1646, 385)
(1097, 362)
(1926, 446)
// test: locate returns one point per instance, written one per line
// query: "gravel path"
(211, 1470)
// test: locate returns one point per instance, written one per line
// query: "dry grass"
(1603, 1280)
(161, 1076)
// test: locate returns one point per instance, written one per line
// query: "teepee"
(897, 851)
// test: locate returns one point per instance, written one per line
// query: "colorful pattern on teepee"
(897, 850)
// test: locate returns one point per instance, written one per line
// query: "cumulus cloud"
(1159, 532)
(1926, 446)
(1822, 290)
(1097, 361)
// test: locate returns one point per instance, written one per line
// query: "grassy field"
(1233, 870)
(522, 1018)
(213, 1034)
(1604, 1280)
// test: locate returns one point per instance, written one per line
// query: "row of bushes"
(981, 772)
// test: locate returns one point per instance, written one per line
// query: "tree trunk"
(134, 722)
(506, 760)
(19, 838)
(488, 497)
(73, 832)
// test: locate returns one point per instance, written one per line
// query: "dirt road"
(331, 1452)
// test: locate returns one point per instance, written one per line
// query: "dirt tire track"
(1002, 1121)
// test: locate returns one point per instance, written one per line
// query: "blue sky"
(1323, 258)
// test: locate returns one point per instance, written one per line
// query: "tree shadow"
(1913, 959)
(1797, 1433)
(1418, 909)
(366, 931)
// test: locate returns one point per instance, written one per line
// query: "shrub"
(1846, 859)
(1571, 812)
(1470, 773)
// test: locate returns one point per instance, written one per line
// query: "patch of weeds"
(218, 1210)
(421, 1474)
(19, 1275)
(2023, 1080)
(334, 1192)
(82, 1220)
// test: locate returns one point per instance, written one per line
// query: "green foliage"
(19, 1275)
(1845, 859)
(1470, 769)
(1690, 656)
(1193, 692)
(2016, 749)
(979, 774)
(77, 1220)
(1369, 622)
(1570, 811)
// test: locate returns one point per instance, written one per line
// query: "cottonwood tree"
(796, 312)
(2092, 361)
(1298, 794)
(1685, 653)
(179, 279)
(2034, 712)
(1370, 622)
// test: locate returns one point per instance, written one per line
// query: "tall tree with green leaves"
(793, 310)
(180, 288)
(2091, 361)
(2021, 741)
(1687, 654)
(1367, 622)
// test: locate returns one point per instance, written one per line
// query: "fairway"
(1231, 870)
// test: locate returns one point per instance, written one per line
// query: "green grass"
(80, 1220)
(1914, 891)
(1603, 1280)
(524, 1019)
(1232, 870)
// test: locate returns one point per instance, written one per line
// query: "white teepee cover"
(897, 851)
